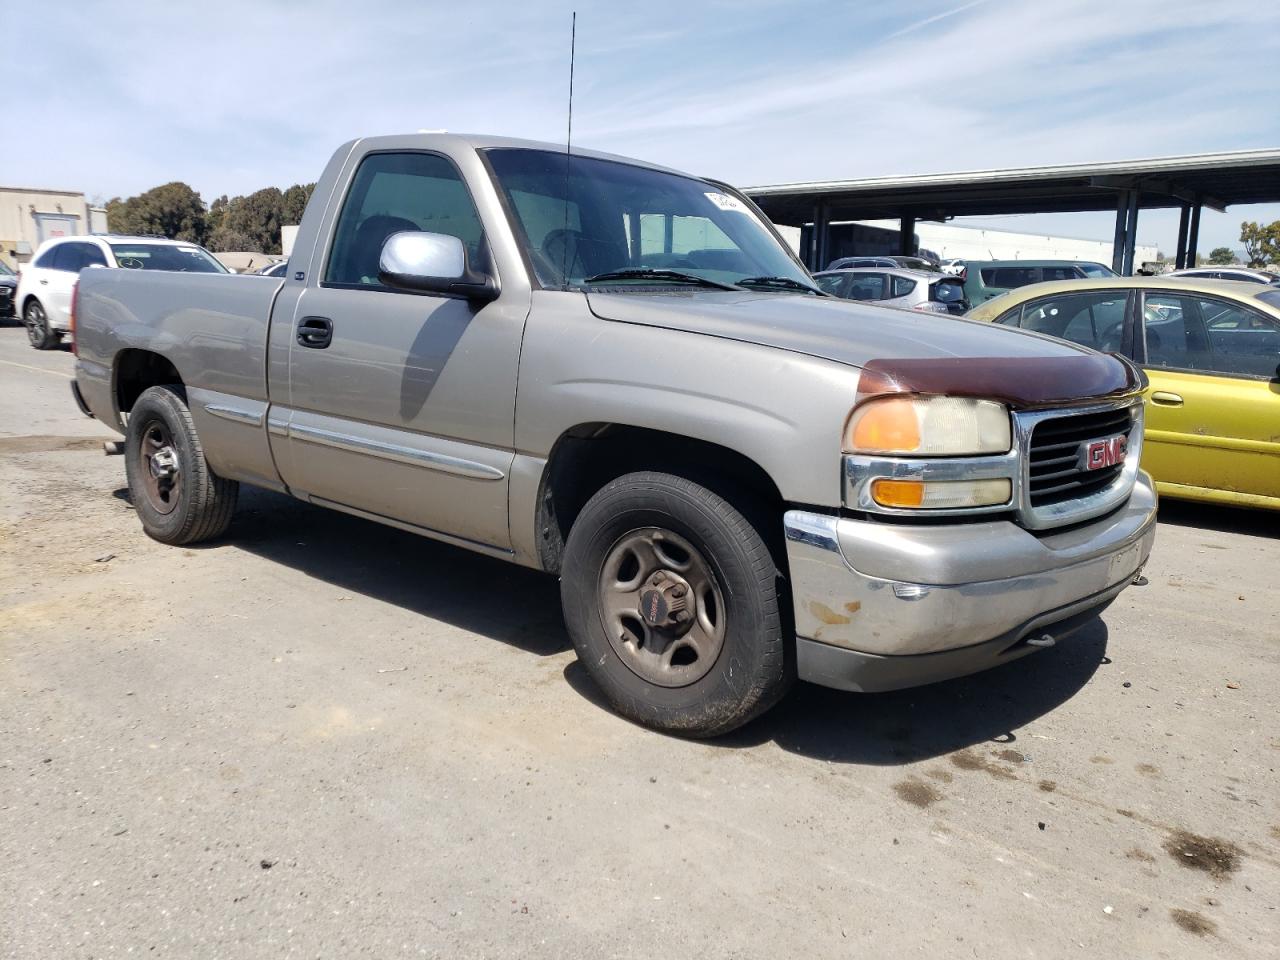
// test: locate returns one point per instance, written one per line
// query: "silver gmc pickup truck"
(619, 374)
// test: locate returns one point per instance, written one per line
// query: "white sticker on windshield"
(726, 202)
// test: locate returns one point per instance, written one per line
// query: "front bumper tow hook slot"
(1044, 640)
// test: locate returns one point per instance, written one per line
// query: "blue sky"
(231, 96)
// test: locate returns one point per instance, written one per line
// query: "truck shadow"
(908, 726)
(515, 605)
(521, 607)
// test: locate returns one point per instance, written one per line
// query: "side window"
(45, 260)
(93, 256)
(392, 192)
(1061, 273)
(67, 257)
(1174, 333)
(829, 283)
(1012, 318)
(1091, 319)
(1009, 277)
(901, 286)
(866, 286)
(1242, 341)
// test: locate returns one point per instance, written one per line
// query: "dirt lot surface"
(319, 737)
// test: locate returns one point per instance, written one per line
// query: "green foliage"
(176, 211)
(258, 217)
(173, 210)
(1261, 242)
(295, 202)
(1221, 256)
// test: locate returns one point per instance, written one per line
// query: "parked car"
(277, 269)
(8, 292)
(46, 283)
(906, 263)
(984, 279)
(1241, 274)
(737, 478)
(1211, 349)
(908, 289)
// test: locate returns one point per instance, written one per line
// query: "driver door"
(401, 404)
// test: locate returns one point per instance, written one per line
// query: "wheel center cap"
(665, 601)
(164, 463)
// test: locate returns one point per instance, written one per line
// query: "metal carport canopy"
(1214, 180)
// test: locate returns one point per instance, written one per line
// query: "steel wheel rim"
(159, 467)
(649, 579)
(35, 323)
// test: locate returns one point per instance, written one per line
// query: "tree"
(173, 210)
(295, 202)
(222, 239)
(1261, 242)
(1221, 256)
(257, 217)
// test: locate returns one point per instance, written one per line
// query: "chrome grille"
(1055, 473)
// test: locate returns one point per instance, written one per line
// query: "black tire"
(37, 324)
(200, 505)
(751, 669)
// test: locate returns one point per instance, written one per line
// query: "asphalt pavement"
(321, 737)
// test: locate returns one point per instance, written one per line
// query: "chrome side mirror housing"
(433, 263)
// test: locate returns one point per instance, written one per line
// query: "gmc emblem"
(1100, 454)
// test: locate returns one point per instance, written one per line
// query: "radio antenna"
(568, 152)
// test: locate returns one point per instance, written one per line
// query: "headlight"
(929, 427)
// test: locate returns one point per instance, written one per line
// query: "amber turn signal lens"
(898, 493)
(888, 425)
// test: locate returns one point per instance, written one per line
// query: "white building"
(29, 216)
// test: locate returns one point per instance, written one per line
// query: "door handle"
(315, 332)
(1166, 399)
(44, 283)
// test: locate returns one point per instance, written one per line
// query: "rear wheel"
(178, 497)
(37, 323)
(672, 600)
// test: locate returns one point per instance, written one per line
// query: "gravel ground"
(319, 737)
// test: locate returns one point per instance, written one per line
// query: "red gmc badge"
(1100, 454)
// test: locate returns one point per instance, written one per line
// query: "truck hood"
(839, 330)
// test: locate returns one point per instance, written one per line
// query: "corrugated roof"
(1215, 179)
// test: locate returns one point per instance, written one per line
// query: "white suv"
(46, 283)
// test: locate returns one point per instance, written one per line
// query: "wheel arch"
(136, 369)
(588, 456)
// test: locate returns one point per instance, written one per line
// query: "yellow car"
(1211, 349)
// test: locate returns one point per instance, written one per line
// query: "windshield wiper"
(785, 283)
(644, 273)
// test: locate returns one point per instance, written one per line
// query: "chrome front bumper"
(880, 606)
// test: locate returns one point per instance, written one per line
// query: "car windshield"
(1096, 270)
(163, 256)
(4, 270)
(628, 226)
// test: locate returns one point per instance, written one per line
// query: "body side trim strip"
(234, 413)
(393, 451)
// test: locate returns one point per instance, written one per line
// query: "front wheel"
(178, 497)
(672, 600)
(37, 323)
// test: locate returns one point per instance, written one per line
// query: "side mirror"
(434, 263)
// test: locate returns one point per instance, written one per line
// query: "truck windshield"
(161, 256)
(631, 226)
